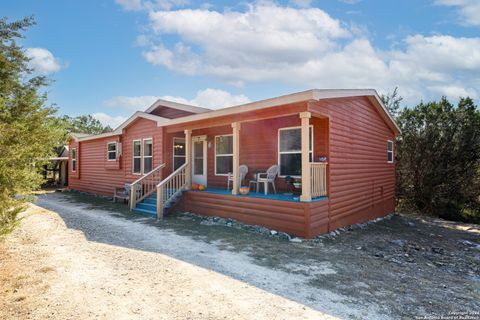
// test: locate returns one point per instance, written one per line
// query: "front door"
(199, 156)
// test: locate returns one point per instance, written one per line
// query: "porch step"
(145, 212)
(148, 206)
(152, 200)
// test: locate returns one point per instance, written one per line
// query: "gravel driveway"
(89, 258)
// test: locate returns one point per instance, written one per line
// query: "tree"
(28, 128)
(392, 101)
(438, 167)
(84, 124)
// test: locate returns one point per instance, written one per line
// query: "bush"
(438, 159)
(28, 129)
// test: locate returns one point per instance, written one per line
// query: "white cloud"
(211, 98)
(109, 120)
(468, 10)
(131, 103)
(307, 47)
(208, 98)
(42, 61)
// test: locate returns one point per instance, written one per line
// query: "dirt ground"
(81, 257)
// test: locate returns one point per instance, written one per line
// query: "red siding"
(258, 145)
(349, 131)
(362, 183)
(279, 215)
(97, 175)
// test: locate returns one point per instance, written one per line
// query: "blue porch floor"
(271, 196)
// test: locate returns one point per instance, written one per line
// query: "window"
(147, 156)
(290, 150)
(74, 160)
(223, 154)
(178, 152)
(137, 157)
(389, 151)
(111, 151)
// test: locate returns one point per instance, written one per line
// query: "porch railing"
(318, 175)
(145, 186)
(171, 187)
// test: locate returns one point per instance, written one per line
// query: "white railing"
(145, 186)
(318, 178)
(171, 187)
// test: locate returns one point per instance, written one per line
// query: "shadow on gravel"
(405, 265)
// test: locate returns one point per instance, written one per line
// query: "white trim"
(292, 152)
(314, 94)
(76, 162)
(119, 130)
(134, 157)
(144, 156)
(392, 151)
(204, 141)
(176, 105)
(173, 151)
(116, 150)
(221, 155)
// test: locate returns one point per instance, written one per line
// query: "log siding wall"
(361, 182)
(349, 131)
(97, 175)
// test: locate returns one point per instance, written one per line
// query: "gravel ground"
(84, 257)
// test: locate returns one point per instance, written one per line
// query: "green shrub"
(438, 159)
(28, 128)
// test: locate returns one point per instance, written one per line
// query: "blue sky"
(111, 57)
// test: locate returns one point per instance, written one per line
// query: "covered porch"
(296, 144)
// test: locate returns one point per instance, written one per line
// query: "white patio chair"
(268, 177)
(242, 172)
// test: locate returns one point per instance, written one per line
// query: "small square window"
(112, 151)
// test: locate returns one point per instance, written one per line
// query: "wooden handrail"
(145, 186)
(170, 187)
(171, 175)
(318, 179)
(153, 171)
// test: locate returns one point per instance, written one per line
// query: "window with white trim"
(389, 151)
(178, 152)
(111, 151)
(137, 157)
(223, 154)
(147, 155)
(74, 159)
(290, 150)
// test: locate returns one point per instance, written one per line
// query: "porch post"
(188, 158)
(236, 156)
(306, 176)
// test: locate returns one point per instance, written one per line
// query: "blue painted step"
(146, 212)
(148, 206)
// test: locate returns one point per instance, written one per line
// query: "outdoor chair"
(242, 172)
(268, 177)
(122, 193)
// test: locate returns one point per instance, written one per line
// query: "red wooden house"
(336, 145)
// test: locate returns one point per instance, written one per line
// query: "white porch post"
(188, 158)
(236, 156)
(306, 176)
